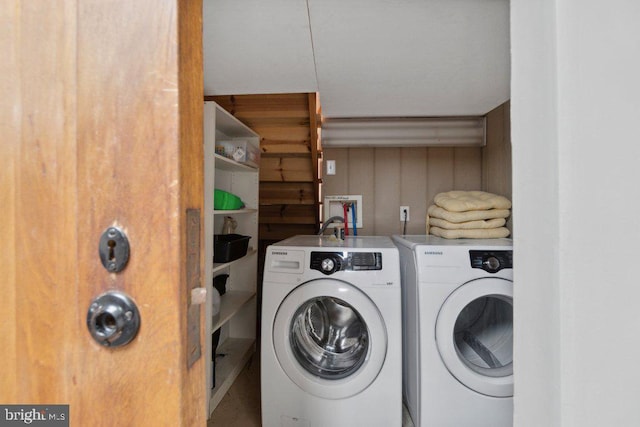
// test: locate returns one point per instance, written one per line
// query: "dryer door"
(329, 338)
(474, 335)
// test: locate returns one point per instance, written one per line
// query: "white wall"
(534, 144)
(576, 153)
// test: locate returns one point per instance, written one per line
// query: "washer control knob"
(492, 263)
(328, 265)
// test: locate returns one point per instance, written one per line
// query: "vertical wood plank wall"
(388, 178)
(496, 156)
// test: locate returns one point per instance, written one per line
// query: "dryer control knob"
(328, 265)
(492, 263)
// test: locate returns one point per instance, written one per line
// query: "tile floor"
(240, 407)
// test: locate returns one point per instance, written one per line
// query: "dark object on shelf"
(229, 247)
(220, 283)
(214, 345)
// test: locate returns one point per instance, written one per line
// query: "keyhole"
(114, 249)
(106, 324)
(112, 252)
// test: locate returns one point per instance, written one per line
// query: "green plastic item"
(225, 201)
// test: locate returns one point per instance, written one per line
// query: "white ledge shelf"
(235, 211)
(230, 303)
(217, 266)
(234, 353)
(225, 163)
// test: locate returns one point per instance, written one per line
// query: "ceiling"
(366, 58)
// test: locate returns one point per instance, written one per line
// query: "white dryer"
(458, 330)
(331, 333)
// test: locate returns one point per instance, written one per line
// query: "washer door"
(474, 335)
(329, 338)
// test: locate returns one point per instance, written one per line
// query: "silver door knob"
(113, 319)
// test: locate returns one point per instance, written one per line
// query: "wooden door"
(101, 124)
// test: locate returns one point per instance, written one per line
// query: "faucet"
(329, 221)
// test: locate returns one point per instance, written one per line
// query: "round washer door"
(474, 335)
(329, 338)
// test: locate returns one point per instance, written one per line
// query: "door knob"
(113, 319)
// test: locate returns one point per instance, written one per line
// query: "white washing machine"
(331, 350)
(458, 330)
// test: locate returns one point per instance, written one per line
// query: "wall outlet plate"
(402, 210)
(331, 167)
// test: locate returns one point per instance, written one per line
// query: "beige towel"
(479, 224)
(462, 201)
(490, 233)
(457, 217)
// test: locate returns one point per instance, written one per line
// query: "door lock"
(113, 319)
(114, 249)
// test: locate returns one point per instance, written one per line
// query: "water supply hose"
(353, 219)
(345, 207)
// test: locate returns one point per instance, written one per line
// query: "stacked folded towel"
(468, 214)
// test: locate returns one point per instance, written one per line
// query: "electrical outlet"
(403, 210)
(331, 167)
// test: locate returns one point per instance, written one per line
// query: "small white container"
(240, 150)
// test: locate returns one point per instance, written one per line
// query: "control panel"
(330, 262)
(491, 261)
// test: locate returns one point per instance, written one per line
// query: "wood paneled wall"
(286, 124)
(496, 156)
(388, 178)
(385, 177)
